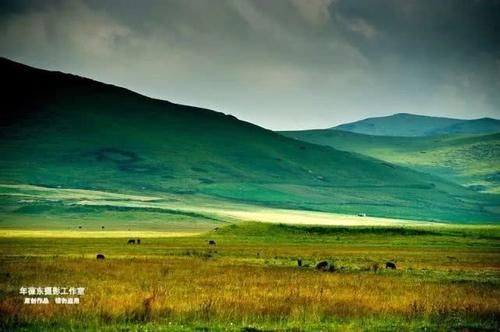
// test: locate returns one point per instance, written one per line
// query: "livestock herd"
(323, 265)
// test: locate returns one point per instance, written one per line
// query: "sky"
(281, 64)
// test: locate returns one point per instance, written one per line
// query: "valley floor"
(53, 212)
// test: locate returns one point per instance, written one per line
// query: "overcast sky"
(291, 64)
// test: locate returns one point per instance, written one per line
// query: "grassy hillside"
(90, 213)
(470, 160)
(404, 124)
(59, 130)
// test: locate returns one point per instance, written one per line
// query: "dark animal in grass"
(299, 262)
(325, 266)
(211, 242)
(102, 227)
(99, 257)
(79, 227)
(250, 329)
(390, 265)
(131, 241)
(138, 241)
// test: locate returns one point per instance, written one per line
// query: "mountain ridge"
(413, 125)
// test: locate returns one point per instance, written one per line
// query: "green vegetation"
(469, 160)
(74, 133)
(71, 212)
(404, 124)
(86, 166)
(447, 279)
(232, 217)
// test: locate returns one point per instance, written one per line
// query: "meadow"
(85, 137)
(470, 160)
(447, 278)
(86, 167)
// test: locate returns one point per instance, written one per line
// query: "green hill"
(60, 130)
(404, 124)
(470, 160)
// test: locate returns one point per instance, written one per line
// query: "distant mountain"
(404, 124)
(60, 130)
(470, 160)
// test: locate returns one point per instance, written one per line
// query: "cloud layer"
(281, 64)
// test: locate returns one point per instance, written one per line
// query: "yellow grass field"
(447, 278)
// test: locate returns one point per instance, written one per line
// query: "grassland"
(469, 160)
(87, 166)
(447, 278)
(87, 213)
(77, 134)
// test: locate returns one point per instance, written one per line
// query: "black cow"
(390, 265)
(211, 242)
(138, 241)
(132, 241)
(100, 257)
(323, 266)
(299, 262)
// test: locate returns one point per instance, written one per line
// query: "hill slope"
(470, 160)
(60, 130)
(403, 124)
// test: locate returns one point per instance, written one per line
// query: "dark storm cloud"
(281, 64)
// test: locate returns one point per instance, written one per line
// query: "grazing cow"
(390, 265)
(79, 227)
(132, 241)
(323, 266)
(138, 241)
(102, 227)
(211, 242)
(100, 257)
(299, 262)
